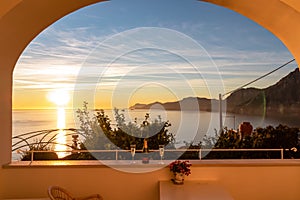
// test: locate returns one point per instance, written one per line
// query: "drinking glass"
(132, 151)
(161, 153)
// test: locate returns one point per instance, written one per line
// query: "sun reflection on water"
(61, 138)
(61, 118)
(60, 98)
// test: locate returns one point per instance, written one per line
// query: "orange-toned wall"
(242, 182)
(22, 20)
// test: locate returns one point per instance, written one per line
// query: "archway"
(19, 25)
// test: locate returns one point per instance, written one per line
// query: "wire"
(263, 76)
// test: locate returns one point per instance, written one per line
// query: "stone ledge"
(112, 163)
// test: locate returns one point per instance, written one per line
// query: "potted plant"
(179, 170)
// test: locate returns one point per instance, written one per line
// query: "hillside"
(189, 103)
(280, 98)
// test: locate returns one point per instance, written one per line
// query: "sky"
(118, 53)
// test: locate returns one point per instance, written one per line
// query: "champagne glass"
(132, 151)
(161, 153)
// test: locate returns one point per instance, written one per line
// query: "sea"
(187, 126)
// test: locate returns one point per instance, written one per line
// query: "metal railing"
(117, 152)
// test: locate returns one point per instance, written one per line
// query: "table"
(193, 190)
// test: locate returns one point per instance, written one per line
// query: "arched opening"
(13, 13)
(217, 56)
(19, 25)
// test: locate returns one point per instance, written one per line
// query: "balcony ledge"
(154, 164)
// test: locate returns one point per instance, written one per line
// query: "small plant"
(41, 154)
(180, 167)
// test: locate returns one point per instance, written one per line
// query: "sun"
(59, 97)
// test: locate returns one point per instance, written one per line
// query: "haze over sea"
(186, 125)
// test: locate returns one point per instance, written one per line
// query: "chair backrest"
(58, 193)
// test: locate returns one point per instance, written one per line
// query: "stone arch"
(22, 20)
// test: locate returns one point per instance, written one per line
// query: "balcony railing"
(172, 154)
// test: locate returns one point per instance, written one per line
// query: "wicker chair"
(58, 193)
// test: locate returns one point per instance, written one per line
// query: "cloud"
(84, 57)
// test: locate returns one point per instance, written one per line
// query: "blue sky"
(123, 52)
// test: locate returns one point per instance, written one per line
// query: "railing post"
(116, 154)
(31, 159)
(200, 154)
(281, 152)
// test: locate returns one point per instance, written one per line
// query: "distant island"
(282, 98)
(204, 104)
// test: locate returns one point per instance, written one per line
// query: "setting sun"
(59, 97)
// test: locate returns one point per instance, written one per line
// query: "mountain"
(189, 103)
(280, 98)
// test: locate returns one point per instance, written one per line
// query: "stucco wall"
(243, 182)
(22, 20)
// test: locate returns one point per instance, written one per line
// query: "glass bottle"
(145, 158)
